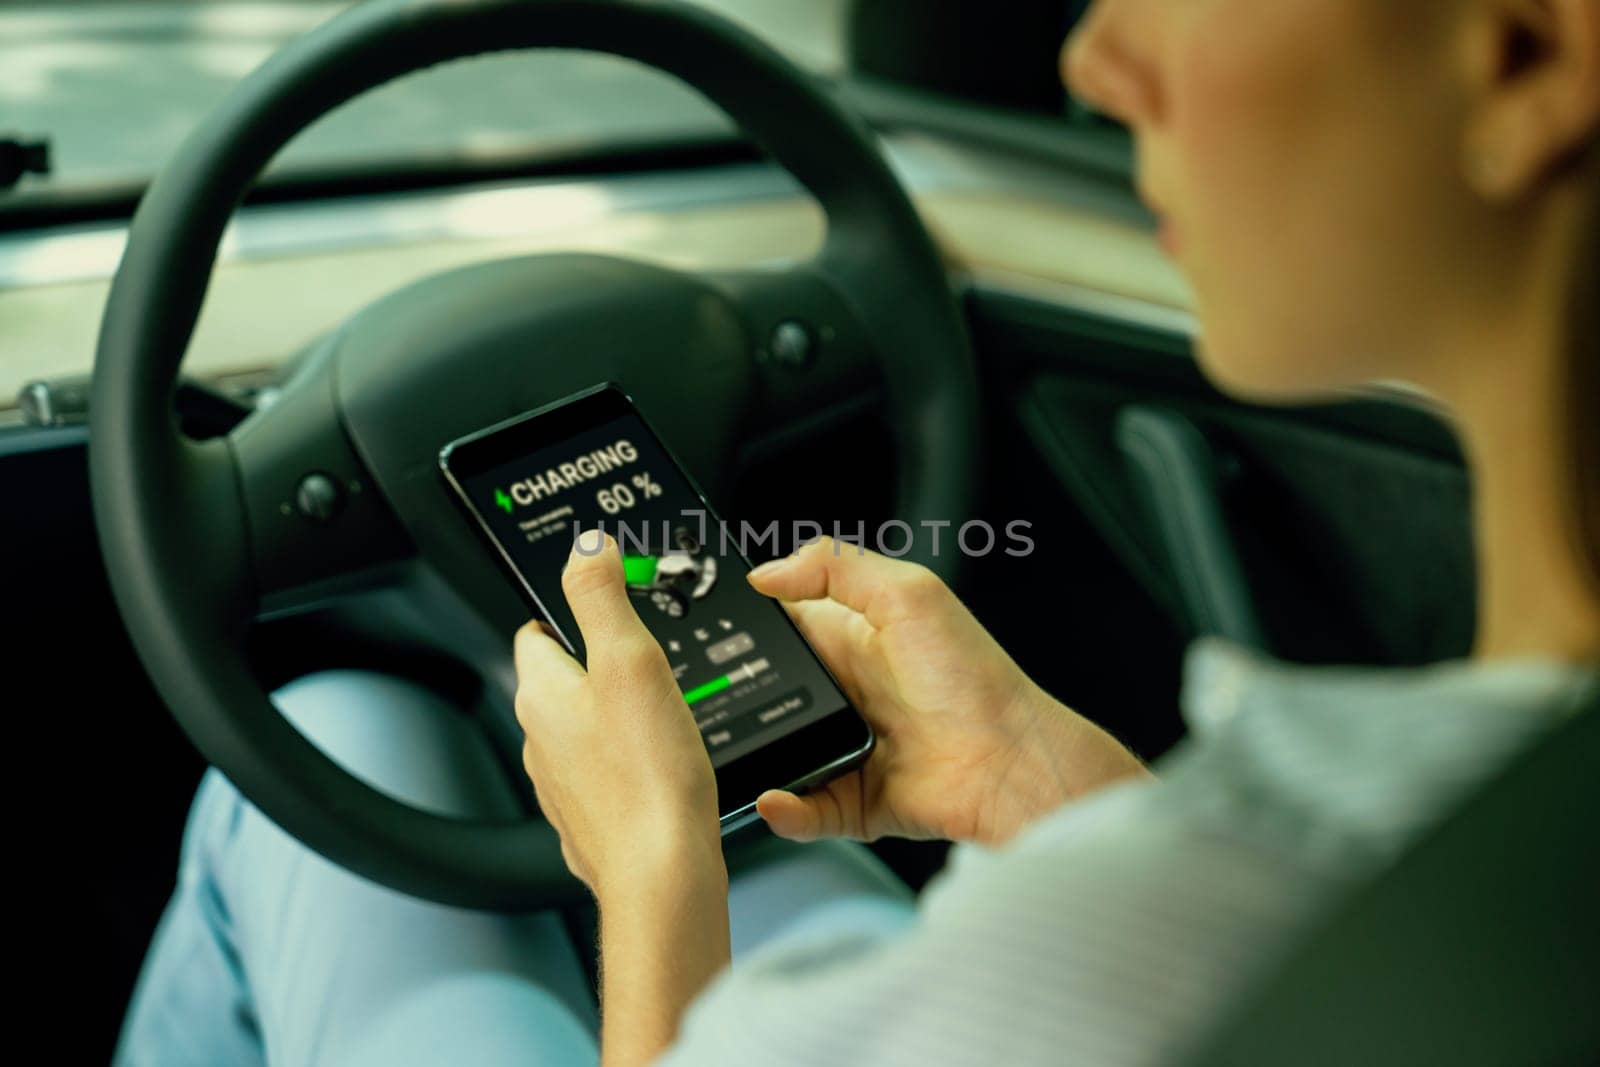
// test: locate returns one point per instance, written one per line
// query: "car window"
(1004, 56)
(114, 87)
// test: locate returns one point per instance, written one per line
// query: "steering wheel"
(338, 479)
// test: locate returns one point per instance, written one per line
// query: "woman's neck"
(1536, 596)
(1503, 368)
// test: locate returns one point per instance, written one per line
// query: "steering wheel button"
(791, 344)
(318, 497)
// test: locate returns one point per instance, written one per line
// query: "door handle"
(1175, 475)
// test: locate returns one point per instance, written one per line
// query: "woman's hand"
(614, 754)
(624, 778)
(968, 749)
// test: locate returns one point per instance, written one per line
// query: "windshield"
(115, 86)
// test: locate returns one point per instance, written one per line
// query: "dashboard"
(289, 272)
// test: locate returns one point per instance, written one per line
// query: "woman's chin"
(1231, 369)
(1260, 374)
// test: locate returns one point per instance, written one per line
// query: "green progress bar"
(640, 570)
(700, 692)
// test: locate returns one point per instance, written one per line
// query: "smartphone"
(769, 712)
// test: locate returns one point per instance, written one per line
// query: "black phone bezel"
(808, 756)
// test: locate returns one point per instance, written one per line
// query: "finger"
(832, 630)
(820, 813)
(827, 626)
(789, 816)
(542, 662)
(881, 588)
(597, 594)
(531, 767)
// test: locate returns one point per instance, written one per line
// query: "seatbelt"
(1479, 947)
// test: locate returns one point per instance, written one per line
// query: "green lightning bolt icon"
(502, 501)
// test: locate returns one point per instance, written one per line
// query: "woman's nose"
(1102, 62)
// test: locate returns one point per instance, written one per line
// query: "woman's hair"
(1583, 382)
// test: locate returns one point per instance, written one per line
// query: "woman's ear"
(1535, 74)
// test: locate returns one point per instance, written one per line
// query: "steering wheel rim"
(180, 566)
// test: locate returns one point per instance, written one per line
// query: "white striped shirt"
(1114, 930)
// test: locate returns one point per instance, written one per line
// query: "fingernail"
(769, 568)
(590, 543)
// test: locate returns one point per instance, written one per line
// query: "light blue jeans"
(267, 953)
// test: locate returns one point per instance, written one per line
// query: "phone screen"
(746, 673)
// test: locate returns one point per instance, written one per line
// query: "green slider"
(639, 570)
(700, 692)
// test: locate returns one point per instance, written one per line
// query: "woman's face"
(1305, 158)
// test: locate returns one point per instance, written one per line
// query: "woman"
(1357, 189)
